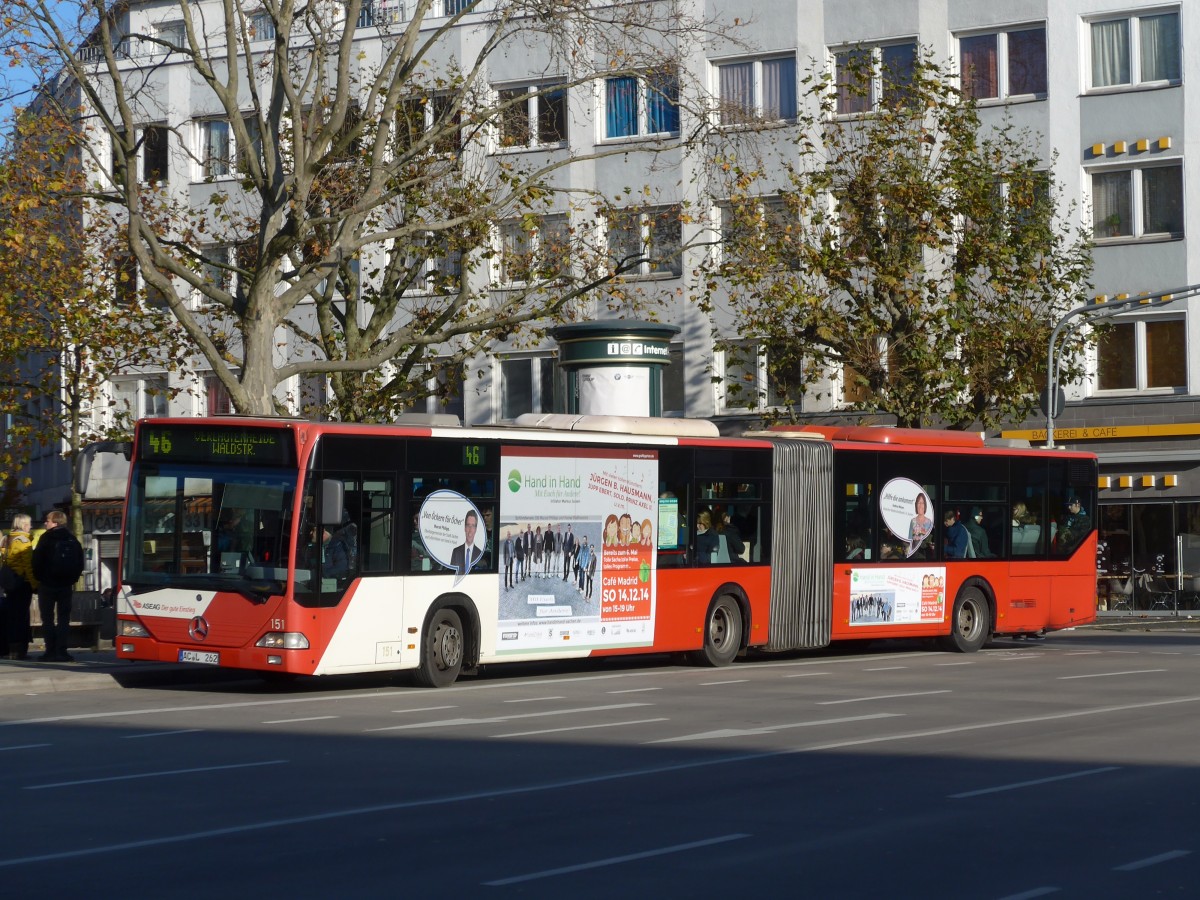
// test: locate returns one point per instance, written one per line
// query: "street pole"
(1097, 310)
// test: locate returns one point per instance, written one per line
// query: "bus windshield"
(221, 528)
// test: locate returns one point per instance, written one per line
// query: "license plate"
(197, 656)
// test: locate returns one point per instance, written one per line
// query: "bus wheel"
(722, 634)
(442, 651)
(970, 623)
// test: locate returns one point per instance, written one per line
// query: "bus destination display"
(253, 446)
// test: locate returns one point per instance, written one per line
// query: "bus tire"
(722, 634)
(970, 622)
(441, 650)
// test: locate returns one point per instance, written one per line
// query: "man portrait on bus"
(957, 538)
(510, 555)
(459, 558)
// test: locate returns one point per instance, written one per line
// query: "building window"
(1134, 203)
(529, 385)
(436, 114)
(262, 26)
(753, 90)
(864, 77)
(140, 398)
(1143, 355)
(217, 399)
(533, 116)
(751, 380)
(1003, 64)
(216, 148)
(313, 396)
(533, 248)
(762, 233)
(154, 151)
(454, 7)
(646, 242)
(641, 105)
(1136, 50)
(380, 13)
(172, 33)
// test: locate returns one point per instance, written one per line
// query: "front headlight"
(283, 640)
(132, 629)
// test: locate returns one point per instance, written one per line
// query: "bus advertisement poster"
(582, 575)
(895, 596)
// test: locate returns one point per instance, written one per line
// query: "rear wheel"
(722, 634)
(970, 623)
(442, 650)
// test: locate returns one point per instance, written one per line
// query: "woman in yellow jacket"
(18, 556)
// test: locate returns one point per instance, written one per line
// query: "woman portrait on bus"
(635, 533)
(921, 525)
(610, 531)
(647, 533)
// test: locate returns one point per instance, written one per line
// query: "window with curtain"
(217, 399)
(1139, 202)
(867, 76)
(641, 105)
(1003, 64)
(1136, 50)
(215, 148)
(756, 89)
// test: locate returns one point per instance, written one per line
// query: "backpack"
(64, 561)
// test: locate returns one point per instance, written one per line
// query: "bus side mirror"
(333, 498)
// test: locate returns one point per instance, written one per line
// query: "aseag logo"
(514, 480)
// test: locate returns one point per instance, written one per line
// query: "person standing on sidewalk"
(57, 565)
(19, 585)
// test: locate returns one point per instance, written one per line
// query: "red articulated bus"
(316, 548)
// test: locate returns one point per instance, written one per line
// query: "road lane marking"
(738, 759)
(885, 669)
(578, 728)
(424, 709)
(636, 690)
(804, 674)
(134, 777)
(718, 683)
(1032, 892)
(491, 720)
(290, 721)
(967, 662)
(767, 729)
(26, 747)
(1151, 860)
(882, 697)
(150, 734)
(534, 699)
(615, 860)
(1016, 785)
(1110, 674)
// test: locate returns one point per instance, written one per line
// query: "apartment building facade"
(1104, 83)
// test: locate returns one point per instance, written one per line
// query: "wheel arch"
(738, 594)
(469, 614)
(989, 594)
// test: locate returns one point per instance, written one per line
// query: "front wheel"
(970, 622)
(442, 650)
(722, 634)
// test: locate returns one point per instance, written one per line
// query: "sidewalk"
(100, 669)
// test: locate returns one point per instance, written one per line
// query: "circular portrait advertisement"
(907, 512)
(452, 531)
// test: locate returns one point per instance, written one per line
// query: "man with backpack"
(57, 565)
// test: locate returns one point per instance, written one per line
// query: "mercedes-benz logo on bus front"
(198, 628)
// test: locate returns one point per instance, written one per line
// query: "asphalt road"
(1066, 768)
